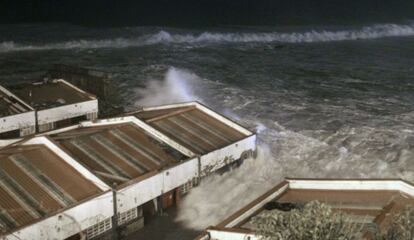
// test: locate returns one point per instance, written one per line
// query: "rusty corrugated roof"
(34, 183)
(191, 128)
(117, 153)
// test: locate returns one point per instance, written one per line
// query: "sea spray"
(220, 195)
(175, 88)
(285, 153)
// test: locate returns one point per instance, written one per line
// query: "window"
(99, 228)
(10, 134)
(129, 215)
(188, 186)
(46, 127)
(27, 131)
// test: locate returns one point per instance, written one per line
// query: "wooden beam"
(170, 114)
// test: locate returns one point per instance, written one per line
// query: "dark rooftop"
(50, 94)
(9, 105)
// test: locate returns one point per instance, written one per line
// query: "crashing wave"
(368, 32)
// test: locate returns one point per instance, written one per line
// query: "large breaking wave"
(380, 146)
(367, 32)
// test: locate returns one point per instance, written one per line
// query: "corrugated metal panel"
(41, 195)
(192, 128)
(42, 180)
(118, 152)
(12, 208)
(34, 182)
(15, 189)
(90, 152)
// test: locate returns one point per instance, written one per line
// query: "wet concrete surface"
(164, 227)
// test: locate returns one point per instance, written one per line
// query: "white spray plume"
(220, 195)
(173, 89)
(260, 127)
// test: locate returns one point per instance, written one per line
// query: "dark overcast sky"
(206, 12)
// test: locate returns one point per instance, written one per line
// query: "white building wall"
(363, 184)
(154, 186)
(18, 121)
(180, 174)
(66, 111)
(221, 157)
(139, 193)
(68, 222)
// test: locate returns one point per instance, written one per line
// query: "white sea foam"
(368, 32)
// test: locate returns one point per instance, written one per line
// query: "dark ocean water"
(326, 101)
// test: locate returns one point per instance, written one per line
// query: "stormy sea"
(326, 101)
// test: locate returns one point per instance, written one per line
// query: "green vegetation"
(317, 221)
(402, 228)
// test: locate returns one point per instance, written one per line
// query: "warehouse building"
(17, 119)
(57, 103)
(365, 201)
(126, 156)
(124, 165)
(149, 170)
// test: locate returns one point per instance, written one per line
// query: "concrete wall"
(66, 112)
(212, 161)
(18, 121)
(390, 185)
(154, 186)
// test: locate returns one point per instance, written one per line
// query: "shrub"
(315, 221)
(402, 227)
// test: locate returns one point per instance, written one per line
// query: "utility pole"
(115, 217)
